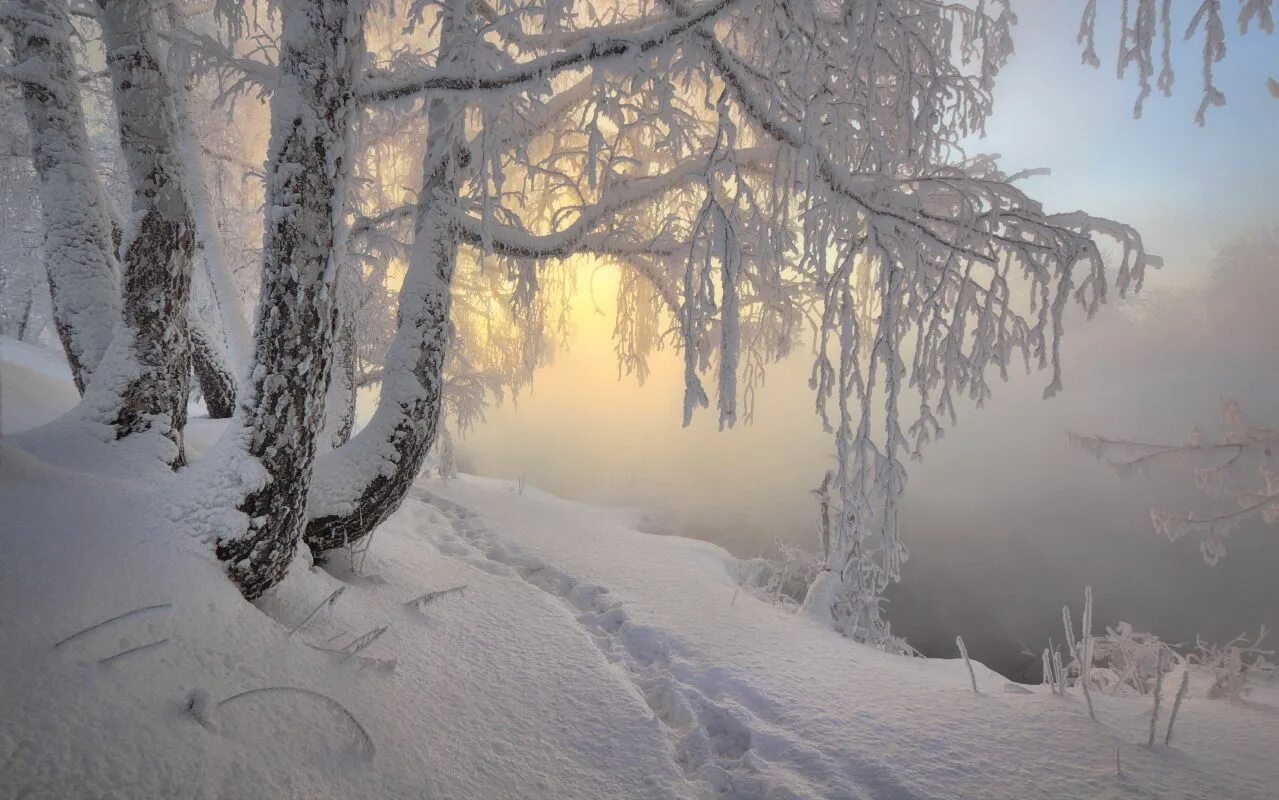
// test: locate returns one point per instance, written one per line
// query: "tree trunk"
(24, 320)
(79, 257)
(359, 485)
(339, 404)
(147, 367)
(211, 368)
(282, 409)
(209, 242)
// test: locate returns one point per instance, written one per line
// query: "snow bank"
(35, 386)
(583, 659)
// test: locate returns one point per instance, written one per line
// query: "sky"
(1004, 520)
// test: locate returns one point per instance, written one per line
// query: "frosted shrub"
(782, 579)
(448, 464)
(1235, 664)
(1133, 658)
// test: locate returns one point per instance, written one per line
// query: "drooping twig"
(963, 651)
(131, 650)
(368, 740)
(325, 603)
(431, 597)
(116, 618)
(1176, 704)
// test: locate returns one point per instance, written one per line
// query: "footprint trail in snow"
(711, 743)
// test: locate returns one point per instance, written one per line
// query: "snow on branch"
(241, 73)
(378, 88)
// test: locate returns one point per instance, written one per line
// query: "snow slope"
(583, 660)
(35, 387)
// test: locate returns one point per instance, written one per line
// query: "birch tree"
(753, 164)
(266, 456)
(146, 371)
(80, 259)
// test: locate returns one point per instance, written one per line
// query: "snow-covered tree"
(21, 235)
(752, 164)
(80, 256)
(267, 454)
(145, 372)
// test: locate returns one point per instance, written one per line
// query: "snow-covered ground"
(583, 659)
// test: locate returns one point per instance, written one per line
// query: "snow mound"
(35, 386)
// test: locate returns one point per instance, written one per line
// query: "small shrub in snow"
(1134, 657)
(781, 580)
(448, 463)
(1234, 664)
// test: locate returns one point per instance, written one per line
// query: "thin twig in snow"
(364, 641)
(1159, 685)
(1176, 704)
(431, 597)
(328, 601)
(116, 618)
(131, 650)
(963, 651)
(368, 740)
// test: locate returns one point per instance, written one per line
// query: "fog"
(1005, 521)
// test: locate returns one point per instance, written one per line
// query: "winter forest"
(638, 399)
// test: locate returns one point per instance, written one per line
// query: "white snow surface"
(584, 659)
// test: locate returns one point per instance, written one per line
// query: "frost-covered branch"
(586, 52)
(1145, 23)
(1241, 444)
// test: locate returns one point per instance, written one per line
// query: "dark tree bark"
(209, 243)
(149, 363)
(24, 320)
(339, 405)
(211, 368)
(79, 256)
(282, 408)
(360, 484)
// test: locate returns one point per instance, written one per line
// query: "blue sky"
(1186, 188)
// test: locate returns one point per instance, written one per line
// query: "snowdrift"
(495, 643)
